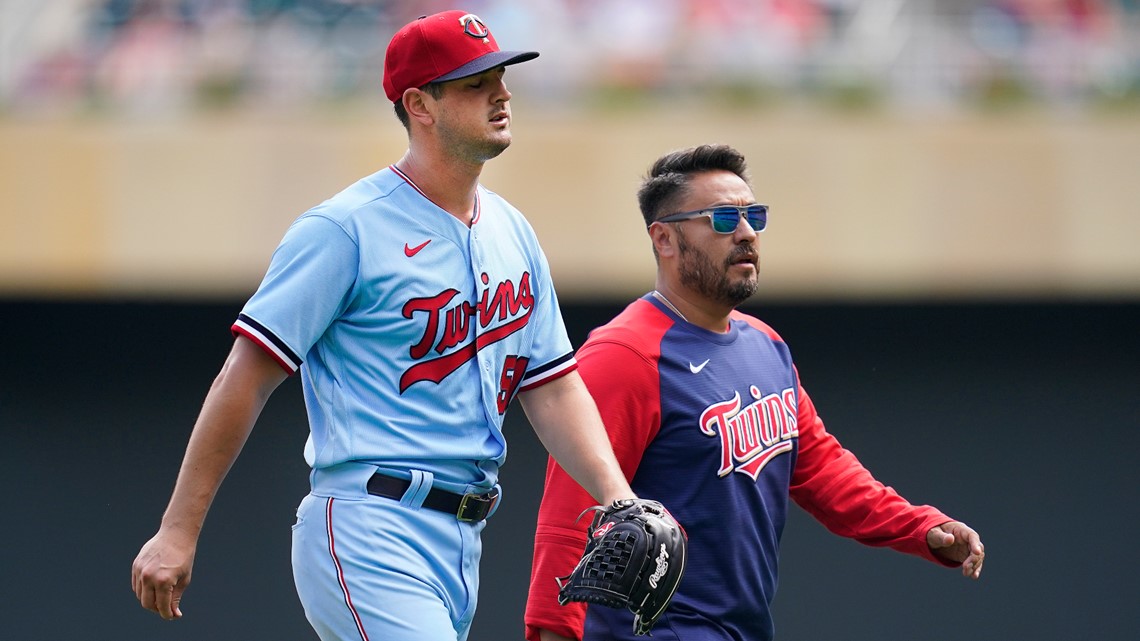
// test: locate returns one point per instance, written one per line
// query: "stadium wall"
(863, 206)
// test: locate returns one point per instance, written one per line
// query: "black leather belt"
(465, 507)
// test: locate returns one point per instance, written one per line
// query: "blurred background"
(953, 256)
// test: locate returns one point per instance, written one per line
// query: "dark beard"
(699, 274)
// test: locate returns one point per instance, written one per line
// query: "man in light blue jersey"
(415, 305)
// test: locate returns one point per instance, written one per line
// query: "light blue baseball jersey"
(412, 332)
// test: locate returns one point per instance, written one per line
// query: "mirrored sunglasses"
(725, 218)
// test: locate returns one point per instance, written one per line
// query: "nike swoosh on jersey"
(696, 369)
(412, 251)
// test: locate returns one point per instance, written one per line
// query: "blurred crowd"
(170, 56)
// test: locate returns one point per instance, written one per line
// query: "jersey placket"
(486, 357)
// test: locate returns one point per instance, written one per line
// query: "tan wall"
(861, 206)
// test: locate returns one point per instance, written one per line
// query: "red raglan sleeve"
(624, 385)
(834, 487)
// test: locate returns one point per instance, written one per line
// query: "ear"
(664, 239)
(419, 105)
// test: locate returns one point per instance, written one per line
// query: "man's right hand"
(161, 572)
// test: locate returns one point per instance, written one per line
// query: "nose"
(501, 94)
(744, 231)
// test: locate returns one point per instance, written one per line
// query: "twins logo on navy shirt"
(752, 435)
(500, 311)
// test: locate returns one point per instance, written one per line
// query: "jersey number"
(513, 369)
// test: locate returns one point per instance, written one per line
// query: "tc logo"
(473, 26)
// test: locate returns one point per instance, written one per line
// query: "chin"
(737, 293)
(498, 144)
(492, 151)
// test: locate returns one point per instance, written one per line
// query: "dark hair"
(433, 89)
(668, 178)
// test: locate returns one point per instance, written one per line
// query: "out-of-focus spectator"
(144, 70)
(162, 56)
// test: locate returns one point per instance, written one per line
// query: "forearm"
(217, 439)
(566, 420)
(231, 408)
(833, 486)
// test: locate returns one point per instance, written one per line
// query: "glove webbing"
(611, 558)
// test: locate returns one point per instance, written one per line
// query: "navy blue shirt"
(717, 427)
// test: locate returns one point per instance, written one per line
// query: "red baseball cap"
(443, 46)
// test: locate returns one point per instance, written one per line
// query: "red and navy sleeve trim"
(556, 368)
(268, 341)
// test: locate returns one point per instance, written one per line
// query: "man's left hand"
(958, 543)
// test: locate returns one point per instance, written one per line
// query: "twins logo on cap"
(474, 27)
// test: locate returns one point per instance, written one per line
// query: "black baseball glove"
(634, 558)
